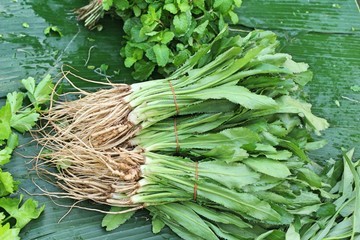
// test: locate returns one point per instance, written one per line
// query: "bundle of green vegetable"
(163, 34)
(221, 142)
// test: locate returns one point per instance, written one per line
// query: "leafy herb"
(222, 143)
(13, 116)
(163, 34)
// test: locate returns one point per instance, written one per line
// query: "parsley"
(14, 117)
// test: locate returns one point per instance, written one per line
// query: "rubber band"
(176, 136)
(174, 95)
(196, 179)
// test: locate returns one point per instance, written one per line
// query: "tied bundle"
(216, 150)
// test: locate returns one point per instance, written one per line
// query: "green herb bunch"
(14, 117)
(163, 34)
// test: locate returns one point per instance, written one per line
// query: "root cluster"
(87, 141)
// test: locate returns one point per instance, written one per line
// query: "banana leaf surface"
(323, 33)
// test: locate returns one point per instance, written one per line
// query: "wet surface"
(324, 34)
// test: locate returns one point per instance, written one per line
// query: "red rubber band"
(176, 136)
(196, 178)
(174, 95)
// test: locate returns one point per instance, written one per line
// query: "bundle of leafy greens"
(14, 117)
(163, 34)
(216, 150)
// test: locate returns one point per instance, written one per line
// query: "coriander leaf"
(43, 90)
(29, 84)
(7, 184)
(25, 120)
(162, 54)
(5, 155)
(38, 94)
(107, 4)
(5, 118)
(15, 100)
(113, 221)
(13, 141)
(7, 233)
(24, 214)
(121, 4)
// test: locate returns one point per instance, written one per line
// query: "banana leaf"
(40, 36)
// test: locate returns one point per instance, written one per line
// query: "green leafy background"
(323, 33)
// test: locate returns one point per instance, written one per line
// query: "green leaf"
(107, 4)
(43, 90)
(269, 167)
(326, 210)
(7, 184)
(187, 218)
(112, 221)
(236, 94)
(199, 3)
(29, 84)
(310, 177)
(23, 214)
(157, 225)
(129, 61)
(182, 23)
(40, 93)
(287, 104)
(184, 5)
(162, 53)
(121, 4)
(292, 234)
(15, 100)
(167, 37)
(5, 118)
(5, 155)
(24, 120)
(200, 29)
(233, 176)
(234, 17)
(218, 216)
(143, 70)
(7, 233)
(171, 8)
(223, 6)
